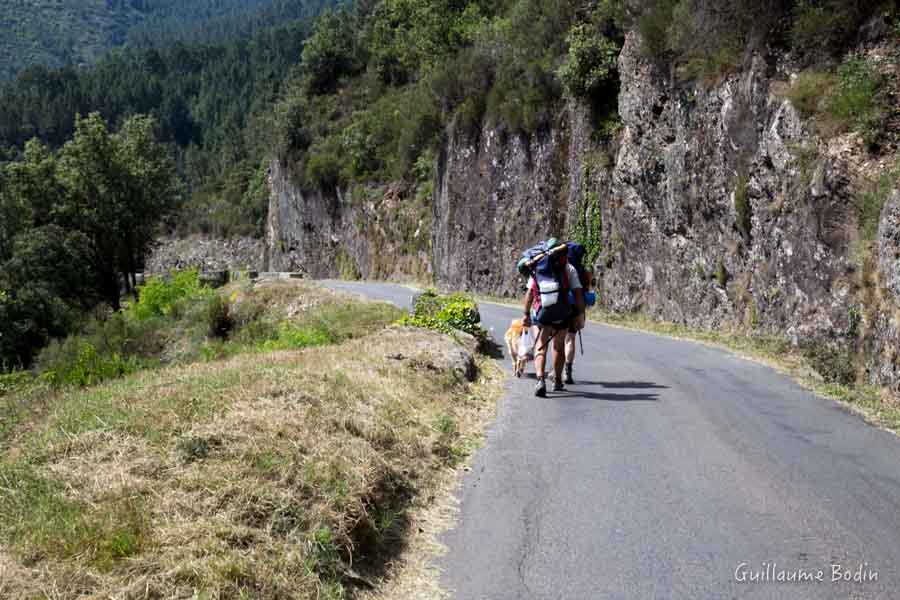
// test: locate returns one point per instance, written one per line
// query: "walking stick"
(580, 339)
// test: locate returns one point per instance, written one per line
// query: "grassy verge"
(873, 403)
(269, 473)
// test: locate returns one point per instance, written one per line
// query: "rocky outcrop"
(496, 194)
(361, 232)
(207, 254)
(881, 333)
(724, 210)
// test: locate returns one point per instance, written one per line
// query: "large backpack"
(546, 264)
(575, 257)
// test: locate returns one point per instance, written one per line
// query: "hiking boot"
(541, 390)
(558, 386)
(569, 380)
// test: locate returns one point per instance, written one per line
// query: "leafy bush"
(446, 313)
(857, 103)
(809, 92)
(871, 201)
(157, 297)
(331, 51)
(835, 362)
(652, 23)
(849, 100)
(590, 63)
(77, 362)
(10, 382)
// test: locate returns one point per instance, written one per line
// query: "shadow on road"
(625, 385)
(575, 393)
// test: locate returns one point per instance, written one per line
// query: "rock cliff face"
(724, 210)
(369, 233)
(710, 205)
(202, 252)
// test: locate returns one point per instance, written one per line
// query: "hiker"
(586, 276)
(548, 305)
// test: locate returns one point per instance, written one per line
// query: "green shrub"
(857, 104)
(810, 91)
(590, 63)
(10, 382)
(835, 362)
(324, 168)
(77, 362)
(871, 201)
(848, 100)
(653, 25)
(157, 297)
(446, 313)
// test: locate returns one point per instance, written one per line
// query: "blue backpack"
(546, 264)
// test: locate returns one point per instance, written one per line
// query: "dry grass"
(292, 474)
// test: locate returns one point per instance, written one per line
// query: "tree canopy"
(79, 221)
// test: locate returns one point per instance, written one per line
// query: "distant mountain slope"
(72, 32)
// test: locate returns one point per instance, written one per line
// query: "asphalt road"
(668, 466)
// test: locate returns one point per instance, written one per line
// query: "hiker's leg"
(540, 351)
(570, 357)
(559, 354)
(570, 347)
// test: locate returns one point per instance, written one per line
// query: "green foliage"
(425, 173)
(653, 23)
(293, 337)
(159, 296)
(590, 63)
(213, 103)
(851, 99)
(445, 313)
(73, 32)
(872, 199)
(81, 219)
(587, 225)
(10, 382)
(330, 52)
(406, 37)
(834, 361)
(857, 102)
(707, 39)
(77, 362)
(809, 92)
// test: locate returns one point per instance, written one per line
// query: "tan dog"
(513, 335)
